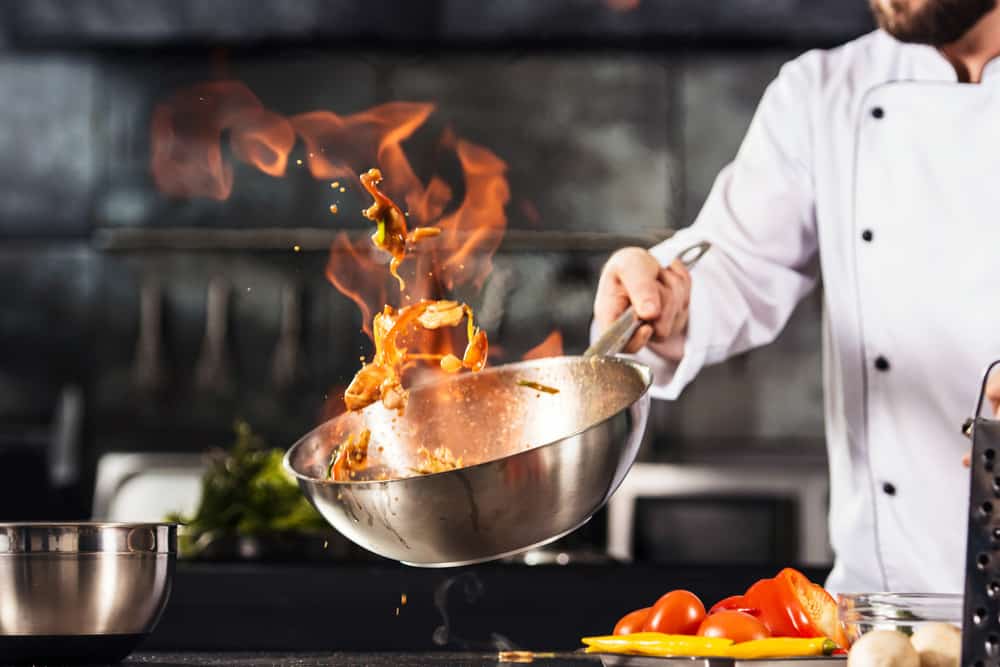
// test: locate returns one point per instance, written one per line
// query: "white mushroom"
(883, 648)
(938, 644)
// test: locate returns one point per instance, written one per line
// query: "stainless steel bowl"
(81, 591)
(535, 465)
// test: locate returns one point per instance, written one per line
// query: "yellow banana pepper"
(781, 647)
(659, 644)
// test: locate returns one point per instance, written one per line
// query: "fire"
(188, 131)
(552, 346)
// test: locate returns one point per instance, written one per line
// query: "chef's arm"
(759, 218)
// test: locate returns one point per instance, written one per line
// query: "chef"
(875, 165)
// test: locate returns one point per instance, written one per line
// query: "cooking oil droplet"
(298, 162)
(333, 208)
(297, 247)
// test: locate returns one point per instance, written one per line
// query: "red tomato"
(632, 622)
(735, 625)
(734, 603)
(676, 613)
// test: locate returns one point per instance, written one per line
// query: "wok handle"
(614, 339)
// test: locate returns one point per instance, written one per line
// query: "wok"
(534, 466)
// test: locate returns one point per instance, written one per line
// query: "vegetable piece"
(781, 647)
(537, 386)
(632, 622)
(732, 624)
(658, 644)
(938, 645)
(678, 612)
(246, 491)
(883, 648)
(734, 603)
(818, 617)
(773, 599)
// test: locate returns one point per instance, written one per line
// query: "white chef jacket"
(871, 163)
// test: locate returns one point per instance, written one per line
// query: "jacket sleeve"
(760, 219)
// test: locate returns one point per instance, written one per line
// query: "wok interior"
(480, 417)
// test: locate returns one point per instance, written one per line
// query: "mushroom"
(883, 648)
(938, 644)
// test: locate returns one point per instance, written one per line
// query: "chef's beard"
(933, 22)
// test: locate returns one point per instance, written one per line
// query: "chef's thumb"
(642, 288)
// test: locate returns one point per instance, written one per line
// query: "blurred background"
(142, 313)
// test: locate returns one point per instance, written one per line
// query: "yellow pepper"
(658, 644)
(781, 647)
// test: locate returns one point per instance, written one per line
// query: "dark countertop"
(360, 607)
(352, 659)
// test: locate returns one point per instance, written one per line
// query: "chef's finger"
(639, 339)
(628, 277)
(672, 295)
(677, 266)
(680, 282)
(639, 279)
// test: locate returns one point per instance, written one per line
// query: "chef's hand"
(993, 392)
(660, 296)
(993, 395)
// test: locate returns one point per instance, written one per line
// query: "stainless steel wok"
(534, 465)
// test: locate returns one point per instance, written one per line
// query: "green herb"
(246, 491)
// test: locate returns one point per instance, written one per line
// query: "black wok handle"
(621, 330)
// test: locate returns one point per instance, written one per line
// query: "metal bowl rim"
(644, 371)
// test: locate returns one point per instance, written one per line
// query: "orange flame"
(188, 161)
(355, 273)
(187, 132)
(552, 346)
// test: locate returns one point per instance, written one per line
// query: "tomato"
(736, 625)
(817, 606)
(632, 622)
(734, 603)
(676, 613)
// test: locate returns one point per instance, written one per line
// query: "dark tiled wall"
(624, 145)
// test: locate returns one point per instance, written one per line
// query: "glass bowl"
(905, 612)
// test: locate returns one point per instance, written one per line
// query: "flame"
(343, 147)
(187, 133)
(356, 274)
(622, 5)
(188, 130)
(552, 346)
(333, 403)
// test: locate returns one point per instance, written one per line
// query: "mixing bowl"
(81, 592)
(905, 612)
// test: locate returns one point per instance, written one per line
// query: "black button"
(867, 235)
(877, 112)
(881, 363)
(888, 489)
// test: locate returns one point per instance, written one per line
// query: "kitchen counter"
(387, 607)
(352, 659)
